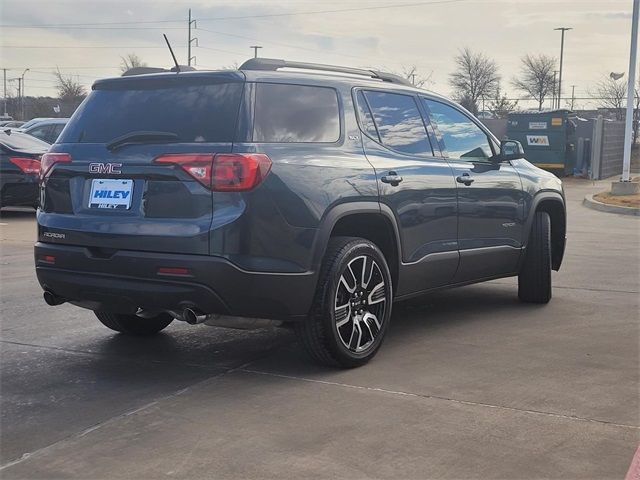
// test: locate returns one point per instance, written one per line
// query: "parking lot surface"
(469, 384)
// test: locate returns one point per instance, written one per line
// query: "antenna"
(172, 54)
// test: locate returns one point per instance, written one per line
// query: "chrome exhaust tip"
(192, 317)
(52, 299)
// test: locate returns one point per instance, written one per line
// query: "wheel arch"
(368, 220)
(552, 203)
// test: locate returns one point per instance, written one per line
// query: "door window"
(399, 122)
(55, 132)
(41, 132)
(462, 137)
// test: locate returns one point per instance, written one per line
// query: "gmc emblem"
(113, 168)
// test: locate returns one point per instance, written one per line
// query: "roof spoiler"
(146, 70)
(274, 64)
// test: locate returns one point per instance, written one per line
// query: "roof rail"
(273, 64)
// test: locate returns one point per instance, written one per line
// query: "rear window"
(296, 114)
(195, 113)
(22, 141)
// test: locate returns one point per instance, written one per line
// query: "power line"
(238, 17)
(83, 46)
(317, 12)
(300, 47)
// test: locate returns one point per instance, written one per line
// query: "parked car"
(33, 121)
(11, 124)
(312, 199)
(47, 130)
(19, 167)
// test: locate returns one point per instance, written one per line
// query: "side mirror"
(511, 150)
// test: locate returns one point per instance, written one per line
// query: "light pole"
(22, 94)
(562, 30)
(626, 156)
(255, 50)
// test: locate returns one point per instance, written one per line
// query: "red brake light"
(224, 172)
(237, 172)
(27, 165)
(48, 160)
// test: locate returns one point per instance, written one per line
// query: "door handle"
(392, 178)
(464, 178)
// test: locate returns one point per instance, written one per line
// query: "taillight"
(223, 172)
(27, 165)
(48, 160)
(197, 165)
(237, 172)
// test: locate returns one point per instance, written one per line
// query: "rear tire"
(352, 307)
(534, 280)
(133, 324)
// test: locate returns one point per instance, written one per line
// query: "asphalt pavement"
(469, 384)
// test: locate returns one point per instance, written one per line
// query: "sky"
(87, 38)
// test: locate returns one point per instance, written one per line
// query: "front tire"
(133, 324)
(352, 307)
(534, 280)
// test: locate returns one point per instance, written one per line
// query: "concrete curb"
(589, 202)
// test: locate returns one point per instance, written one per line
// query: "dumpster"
(548, 138)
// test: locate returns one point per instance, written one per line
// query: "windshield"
(193, 113)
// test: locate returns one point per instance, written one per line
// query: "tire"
(354, 276)
(133, 324)
(534, 280)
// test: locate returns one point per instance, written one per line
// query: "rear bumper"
(126, 280)
(19, 190)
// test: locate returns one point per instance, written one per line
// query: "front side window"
(296, 114)
(462, 138)
(399, 122)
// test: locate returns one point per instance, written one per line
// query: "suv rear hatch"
(132, 169)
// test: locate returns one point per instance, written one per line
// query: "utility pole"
(562, 30)
(19, 96)
(555, 84)
(626, 156)
(191, 40)
(255, 50)
(5, 91)
(22, 97)
(573, 96)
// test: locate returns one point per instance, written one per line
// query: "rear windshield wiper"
(133, 138)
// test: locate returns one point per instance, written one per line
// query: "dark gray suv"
(285, 192)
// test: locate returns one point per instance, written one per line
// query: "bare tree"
(476, 76)
(536, 79)
(411, 73)
(69, 89)
(131, 61)
(611, 94)
(500, 106)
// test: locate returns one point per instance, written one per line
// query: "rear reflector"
(173, 271)
(48, 160)
(223, 172)
(27, 165)
(48, 258)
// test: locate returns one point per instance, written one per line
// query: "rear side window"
(195, 113)
(296, 114)
(399, 122)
